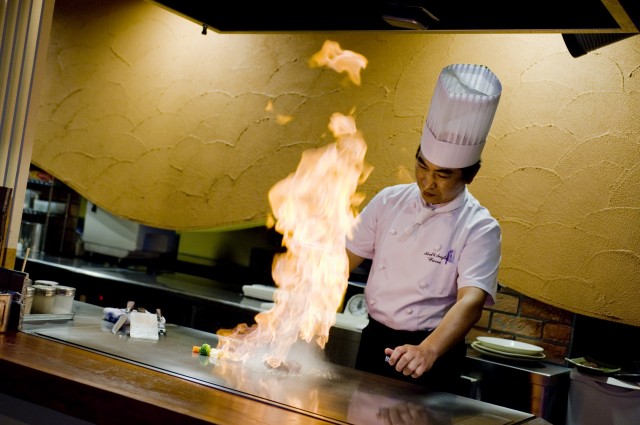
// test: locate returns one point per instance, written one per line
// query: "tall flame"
(314, 209)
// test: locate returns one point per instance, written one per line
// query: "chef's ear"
(469, 173)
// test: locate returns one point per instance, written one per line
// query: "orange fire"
(332, 56)
(314, 209)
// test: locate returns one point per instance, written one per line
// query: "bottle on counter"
(28, 299)
(43, 299)
(64, 299)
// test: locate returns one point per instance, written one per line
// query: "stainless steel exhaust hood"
(453, 16)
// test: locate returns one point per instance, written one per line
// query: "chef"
(434, 249)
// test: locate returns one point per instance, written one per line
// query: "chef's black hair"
(469, 173)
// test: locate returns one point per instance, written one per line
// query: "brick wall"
(515, 316)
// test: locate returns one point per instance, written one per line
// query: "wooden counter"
(108, 391)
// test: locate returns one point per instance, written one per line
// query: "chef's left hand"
(411, 360)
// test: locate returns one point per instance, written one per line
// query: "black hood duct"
(581, 44)
(453, 16)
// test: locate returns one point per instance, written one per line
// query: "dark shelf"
(38, 182)
(58, 228)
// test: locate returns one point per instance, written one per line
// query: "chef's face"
(437, 184)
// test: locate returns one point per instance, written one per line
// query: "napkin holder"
(14, 283)
(143, 325)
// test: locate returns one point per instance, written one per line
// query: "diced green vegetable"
(205, 350)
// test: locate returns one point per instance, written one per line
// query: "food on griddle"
(203, 350)
(289, 367)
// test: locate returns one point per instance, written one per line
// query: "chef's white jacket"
(421, 255)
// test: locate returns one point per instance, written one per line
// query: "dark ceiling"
(559, 16)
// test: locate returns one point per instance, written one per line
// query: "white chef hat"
(462, 109)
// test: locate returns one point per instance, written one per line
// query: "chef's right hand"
(405, 413)
(411, 360)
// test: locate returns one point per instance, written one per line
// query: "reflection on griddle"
(293, 386)
(368, 406)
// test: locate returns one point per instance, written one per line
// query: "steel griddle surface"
(334, 393)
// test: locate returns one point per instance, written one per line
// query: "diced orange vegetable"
(195, 349)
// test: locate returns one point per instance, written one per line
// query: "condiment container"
(28, 299)
(63, 299)
(43, 299)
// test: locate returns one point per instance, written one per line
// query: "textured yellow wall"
(157, 123)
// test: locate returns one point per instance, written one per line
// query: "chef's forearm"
(457, 322)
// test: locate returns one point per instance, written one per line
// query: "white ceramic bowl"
(509, 345)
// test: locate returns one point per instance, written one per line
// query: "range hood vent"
(453, 16)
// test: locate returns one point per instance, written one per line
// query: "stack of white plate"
(507, 349)
(261, 292)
